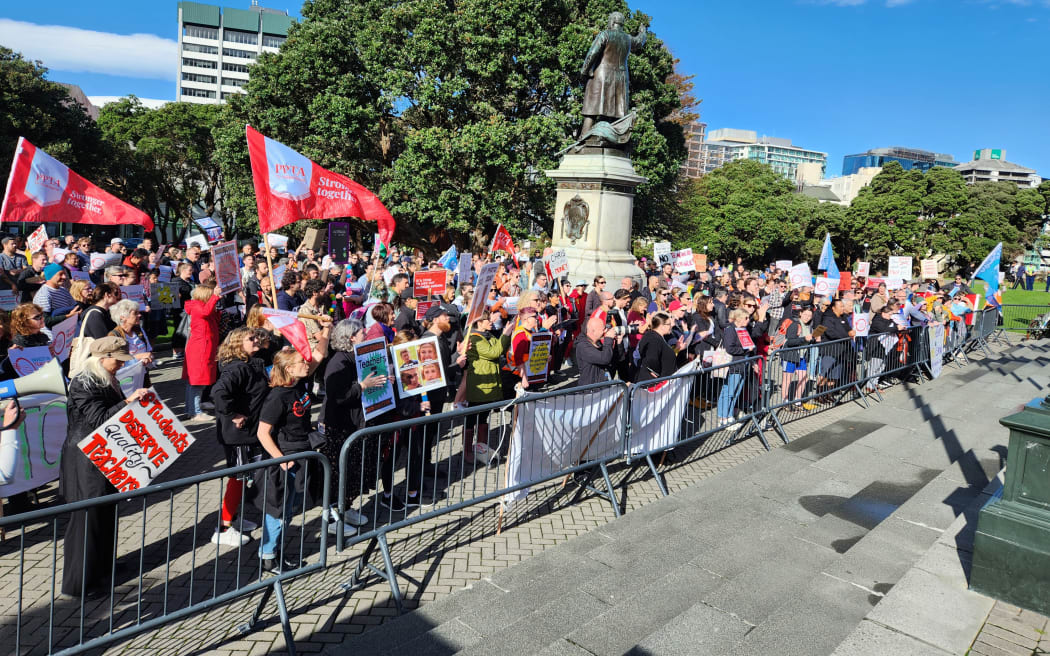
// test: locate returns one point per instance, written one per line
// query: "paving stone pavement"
(1012, 631)
(450, 553)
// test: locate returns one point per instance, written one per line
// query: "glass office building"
(909, 158)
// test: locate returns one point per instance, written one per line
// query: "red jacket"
(199, 366)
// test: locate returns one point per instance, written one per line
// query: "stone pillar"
(593, 211)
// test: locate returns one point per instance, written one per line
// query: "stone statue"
(607, 90)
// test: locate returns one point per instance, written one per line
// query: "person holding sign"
(199, 368)
(93, 397)
(738, 343)
(483, 383)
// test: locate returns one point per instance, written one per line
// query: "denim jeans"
(273, 526)
(727, 397)
(193, 399)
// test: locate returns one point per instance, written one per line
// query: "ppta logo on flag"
(291, 172)
(47, 179)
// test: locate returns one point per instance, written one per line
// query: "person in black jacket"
(733, 344)
(884, 335)
(656, 358)
(183, 286)
(798, 333)
(93, 397)
(594, 352)
(238, 395)
(837, 362)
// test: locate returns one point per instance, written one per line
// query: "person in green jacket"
(483, 385)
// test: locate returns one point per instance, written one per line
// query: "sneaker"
(277, 566)
(392, 502)
(412, 501)
(231, 537)
(244, 524)
(207, 405)
(348, 531)
(354, 518)
(485, 454)
(200, 418)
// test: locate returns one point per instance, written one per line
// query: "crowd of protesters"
(262, 392)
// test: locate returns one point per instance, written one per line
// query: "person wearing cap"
(406, 305)
(53, 297)
(92, 398)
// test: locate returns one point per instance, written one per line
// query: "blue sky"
(839, 76)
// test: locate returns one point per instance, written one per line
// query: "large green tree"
(450, 110)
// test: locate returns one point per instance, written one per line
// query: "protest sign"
(863, 269)
(899, 267)
(8, 299)
(825, 286)
(861, 323)
(58, 255)
(278, 273)
(39, 442)
(81, 275)
(36, 240)
(211, 229)
(481, 291)
(559, 264)
(134, 293)
(227, 269)
(423, 306)
(845, 281)
(936, 350)
(162, 296)
(745, 338)
(131, 376)
(928, 269)
(164, 273)
(784, 265)
(700, 261)
(429, 283)
(662, 253)
(27, 360)
(371, 359)
(465, 275)
(893, 283)
(137, 443)
(339, 242)
(800, 276)
(62, 338)
(873, 283)
(274, 240)
(539, 358)
(200, 241)
(103, 260)
(683, 260)
(418, 367)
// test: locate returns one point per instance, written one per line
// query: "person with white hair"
(125, 314)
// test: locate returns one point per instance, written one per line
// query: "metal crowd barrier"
(429, 463)
(135, 589)
(666, 413)
(1031, 321)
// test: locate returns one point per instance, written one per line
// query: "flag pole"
(269, 262)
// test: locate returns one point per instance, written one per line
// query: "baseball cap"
(581, 282)
(434, 312)
(675, 305)
(110, 347)
(116, 240)
(406, 294)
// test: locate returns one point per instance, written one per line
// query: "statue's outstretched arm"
(639, 40)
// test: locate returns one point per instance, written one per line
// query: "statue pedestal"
(593, 213)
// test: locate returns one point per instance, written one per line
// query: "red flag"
(42, 189)
(289, 187)
(292, 329)
(502, 241)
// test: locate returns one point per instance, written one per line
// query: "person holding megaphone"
(93, 397)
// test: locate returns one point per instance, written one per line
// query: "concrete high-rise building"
(217, 47)
(909, 158)
(990, 165)
(695, 133)
(728, 144)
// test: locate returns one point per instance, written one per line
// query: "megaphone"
(45, 380)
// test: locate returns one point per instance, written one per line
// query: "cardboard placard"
(313, 238)
(700, 261)
(227, 267)
(481, 291)
(662, 253)
(558, 264)
(418, 367)
(430, 282)
(371, 359)
(899, 267)
(539, 358)
(928, 269)
(137, 443)
(683, 260)
(863, 269)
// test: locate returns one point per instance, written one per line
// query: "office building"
(909, 158)
(695, 133)
(841, 190)
(990, 165)
(217, 47)
(728, 144)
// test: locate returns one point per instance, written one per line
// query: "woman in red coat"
(199, 368)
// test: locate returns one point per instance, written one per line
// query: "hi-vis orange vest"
(512, 360)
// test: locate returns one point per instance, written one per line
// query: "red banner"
(290, 187)
(42, 189)
(502, 241)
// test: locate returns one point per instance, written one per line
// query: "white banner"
(657, 411)
(936, 335)
(784, 265)
(555, 433)
(900, 267)
(137, 444)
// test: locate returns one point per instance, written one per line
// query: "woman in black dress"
(656, 358)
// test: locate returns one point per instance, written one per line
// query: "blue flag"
(450, 260)
(989, 273)
(827, 259)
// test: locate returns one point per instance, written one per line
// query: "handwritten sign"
(662, 252)
(899, 267)
(371, 359)
(62, 338)
(227, 269)
(539, 358)
(559, 264)
(683, 260)
(137, 444)
(863, 269)
(928, 269)
(163, 296)
(429, 283)
(39, 440)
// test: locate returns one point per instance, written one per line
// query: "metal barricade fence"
(987, 328)
(896, 355)
(957, 337)
(686, 408)
(431, 465)
(118, 553)
(804, 380)
(1031, 321)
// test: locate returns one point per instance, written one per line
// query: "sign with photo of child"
(418, 367)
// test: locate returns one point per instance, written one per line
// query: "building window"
(199, 63)
(197, 93)
(236, 36)
(195, 47)
(197, 77)
(200, 32)
(233, 82)
(273, 41)
(237, 68)
(227, 94)
(243, 54)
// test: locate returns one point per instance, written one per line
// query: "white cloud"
(75, 50)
